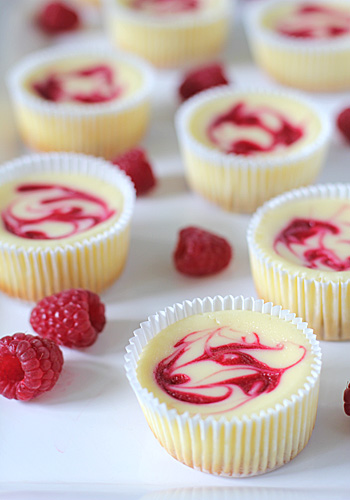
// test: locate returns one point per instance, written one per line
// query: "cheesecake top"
(309, 233)
(84, 80)
(249, 124)
(226, 363)
(309, 20)
(165, 9)
(47, 209)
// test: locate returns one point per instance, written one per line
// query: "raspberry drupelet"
(29, 366)
(73, 318)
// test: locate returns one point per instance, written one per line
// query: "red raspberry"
(199, 252)
(137, 166)
(343, 123)
(72, 318)
(347, 400)
(58, 17)
(29, 366)
(202, 78)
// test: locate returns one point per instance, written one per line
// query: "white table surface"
(87, 438)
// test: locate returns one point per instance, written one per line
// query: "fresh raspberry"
(72, 318)
(343, 123)
(199, 252)
(347, 399)
(29, 366)
(202, 78)
(58, 17)
(137, 166)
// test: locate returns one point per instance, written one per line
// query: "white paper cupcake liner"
(235, 447)
(105, 129)
(321, 297)
(93, 262)
(320, 65)
(171, 41)
(240, 183)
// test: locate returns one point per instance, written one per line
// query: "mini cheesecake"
(64, 223)
(92, 101)
(241, 147)
(228, 385)
(169, 32)
(300, 256)
(305, 44)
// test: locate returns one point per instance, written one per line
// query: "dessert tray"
(88, 439)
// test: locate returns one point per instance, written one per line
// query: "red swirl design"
(42, 204)
(297, 233)
(315, 21)
(54, 86)
(166, 6)
(226, 359)
(284, 135)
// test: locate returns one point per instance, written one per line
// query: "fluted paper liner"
(236, 447)
(94, 262)
(98, 129)
(243, 183)
(321, 297)
(171, 41)
(310, 64)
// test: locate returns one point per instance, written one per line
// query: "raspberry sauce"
(235, 131)
(233, 371)
(310, 240)
(52, 211)
(160, 7)
(98, 84)
(315, 21)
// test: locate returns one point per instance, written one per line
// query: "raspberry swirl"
(317, 244)
(161, 7)
(88, 85)
(315, 21)
(244, 130)
(210, 367)
(52, 211)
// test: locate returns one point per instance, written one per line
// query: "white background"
(87, 438)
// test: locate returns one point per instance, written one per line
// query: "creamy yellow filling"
(257, 347)
(333, 212)
(298, 113)
(159, 9)
(285, 12)
(126, 76)
(90, 185)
